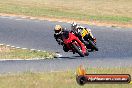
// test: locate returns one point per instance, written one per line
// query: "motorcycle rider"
(58, 35)
(59, 30)
(79, 32)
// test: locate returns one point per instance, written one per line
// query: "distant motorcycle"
(74, 44)
(91, 45)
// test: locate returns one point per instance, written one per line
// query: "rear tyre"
(77, 50)
(93, 45)
(87, 53)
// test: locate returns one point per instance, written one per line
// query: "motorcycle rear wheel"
(93, 45)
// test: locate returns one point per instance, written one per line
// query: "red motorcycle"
(74, 44)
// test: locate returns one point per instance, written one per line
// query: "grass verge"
(7, 52)
(58, 79)
(116, 11)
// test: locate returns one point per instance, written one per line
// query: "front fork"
(82, 47)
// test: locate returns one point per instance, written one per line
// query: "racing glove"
(60, 42)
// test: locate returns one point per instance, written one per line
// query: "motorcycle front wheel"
(77, 50)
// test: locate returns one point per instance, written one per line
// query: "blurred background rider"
(82, 33)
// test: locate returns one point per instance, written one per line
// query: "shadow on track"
(72, 57)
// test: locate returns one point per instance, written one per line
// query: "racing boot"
(65, 48)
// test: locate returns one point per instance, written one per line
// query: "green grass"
(98, 10)
(58, 79)
(7, 52)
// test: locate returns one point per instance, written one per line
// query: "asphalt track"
(115, 46)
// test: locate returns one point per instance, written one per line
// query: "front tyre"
(77, 50)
